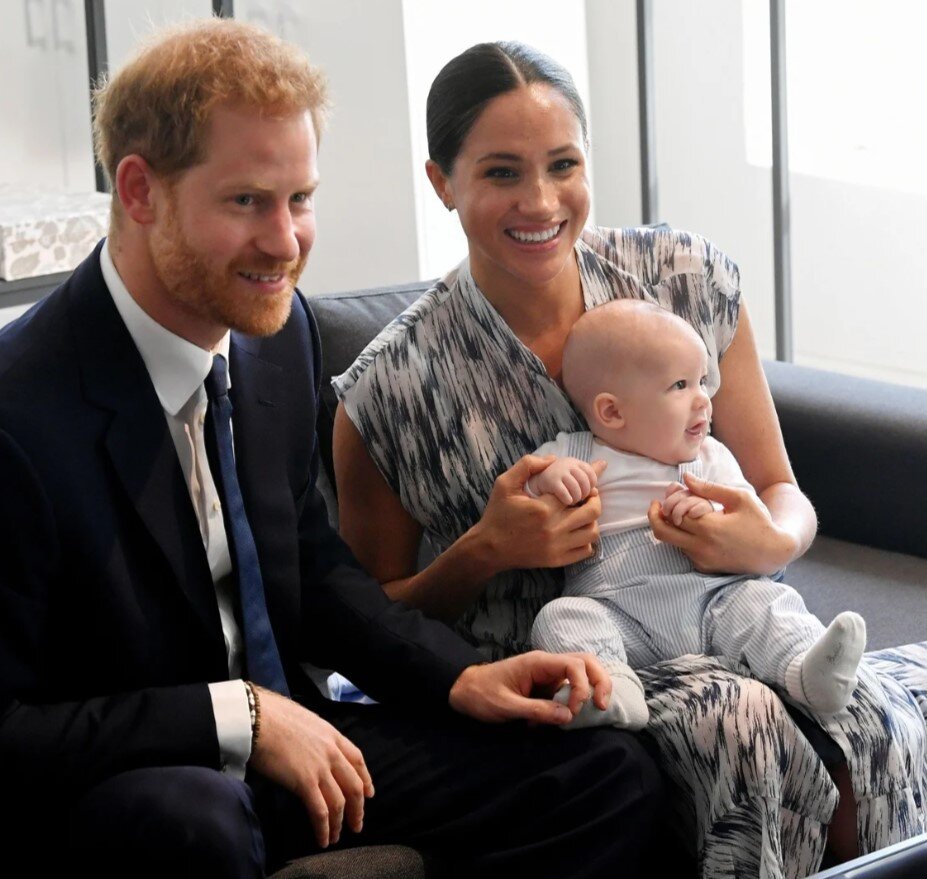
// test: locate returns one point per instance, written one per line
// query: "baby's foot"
(827, 671)
(626, 709)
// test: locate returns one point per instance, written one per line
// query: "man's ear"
(606, 410)
(136, 185)
(440, 183)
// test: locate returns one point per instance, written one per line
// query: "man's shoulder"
(36, 344)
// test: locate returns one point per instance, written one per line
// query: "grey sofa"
(859, 449)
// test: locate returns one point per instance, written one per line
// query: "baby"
(638, 372)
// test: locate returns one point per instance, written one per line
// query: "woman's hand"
(679, 502)
(519, 531)
(743, 539)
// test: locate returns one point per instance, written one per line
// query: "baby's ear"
(607, 412)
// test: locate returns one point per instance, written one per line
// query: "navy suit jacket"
(109, 628)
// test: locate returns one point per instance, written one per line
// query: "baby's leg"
(582, 624)
(767, 626)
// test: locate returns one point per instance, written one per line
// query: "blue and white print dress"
(447, 398)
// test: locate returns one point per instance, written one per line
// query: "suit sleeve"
(55, 741)
(390, 651)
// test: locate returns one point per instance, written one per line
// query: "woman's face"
(519, 186)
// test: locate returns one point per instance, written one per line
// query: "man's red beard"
(219, 294)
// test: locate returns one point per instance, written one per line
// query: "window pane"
(706, 60)
(857, 85)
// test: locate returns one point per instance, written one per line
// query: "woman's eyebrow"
(506, 157)
(514, 157)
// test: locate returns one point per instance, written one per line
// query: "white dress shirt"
(178, 369)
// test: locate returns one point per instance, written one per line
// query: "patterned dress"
(447, 398)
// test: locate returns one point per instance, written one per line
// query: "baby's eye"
(703, 381)
(681, 385)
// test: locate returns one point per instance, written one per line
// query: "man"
(152, 551)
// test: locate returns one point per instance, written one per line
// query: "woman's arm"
(516, 531)
(746, 539)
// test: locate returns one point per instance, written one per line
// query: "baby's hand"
(679, 502)
(568, 479)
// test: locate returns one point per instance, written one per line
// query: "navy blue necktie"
(262, 658)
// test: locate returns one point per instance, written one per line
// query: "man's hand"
(503, 690)
(679, 502)
(308, 756)
(567, 479)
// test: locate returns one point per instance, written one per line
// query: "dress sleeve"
(720, 465)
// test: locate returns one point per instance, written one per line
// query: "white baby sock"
(824, 676)
(626, 709)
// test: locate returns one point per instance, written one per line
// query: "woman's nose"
(541, 198)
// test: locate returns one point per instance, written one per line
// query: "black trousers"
(484, 800)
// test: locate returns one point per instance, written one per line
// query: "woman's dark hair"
(467, 83)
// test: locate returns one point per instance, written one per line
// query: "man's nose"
(278, 235)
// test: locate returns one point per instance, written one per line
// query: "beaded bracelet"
(254, 708)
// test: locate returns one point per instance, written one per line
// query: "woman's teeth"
(534, 237)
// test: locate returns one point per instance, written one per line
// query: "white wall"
(613, 114)
(365, 206)
(705, 182)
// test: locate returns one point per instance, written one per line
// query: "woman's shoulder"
(655, 253)
(423, 322)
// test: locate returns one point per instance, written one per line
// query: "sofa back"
(858, 447)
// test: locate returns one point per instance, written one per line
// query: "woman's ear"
(440, 183)
(607, 411)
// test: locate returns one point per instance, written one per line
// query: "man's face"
(236, 229)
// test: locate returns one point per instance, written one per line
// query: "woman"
(440, 409)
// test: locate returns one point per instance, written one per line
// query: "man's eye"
(301, 197)
(244, 200)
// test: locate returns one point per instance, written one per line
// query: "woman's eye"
(564, 164)
(501, 173)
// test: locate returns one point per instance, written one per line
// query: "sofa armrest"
(859, 451)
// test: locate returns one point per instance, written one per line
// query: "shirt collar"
(177, 367)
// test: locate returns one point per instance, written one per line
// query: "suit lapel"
(138, 442)
(259, 423)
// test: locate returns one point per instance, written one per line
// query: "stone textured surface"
(43, 231)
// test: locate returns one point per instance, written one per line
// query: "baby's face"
(666, 409)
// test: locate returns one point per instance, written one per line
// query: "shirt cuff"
(233, 725)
